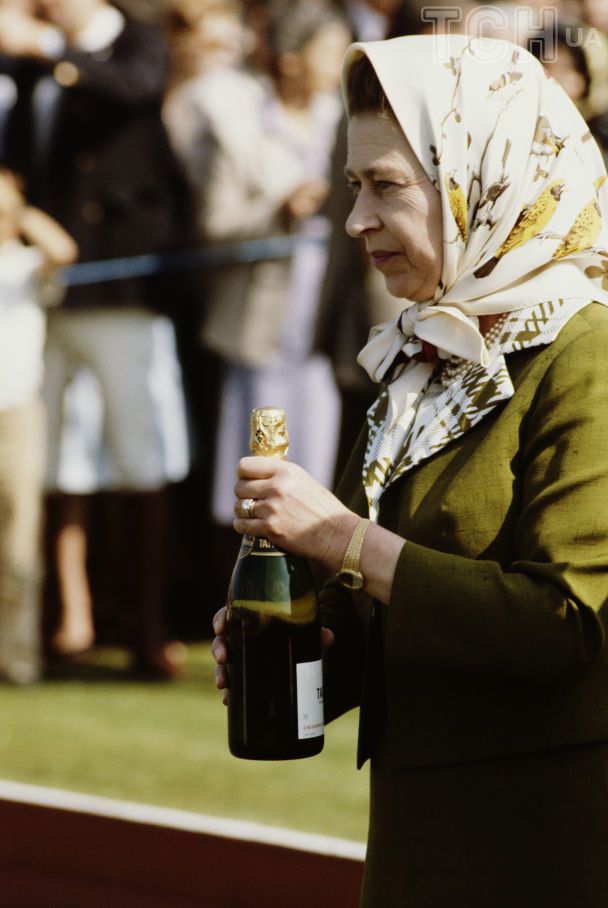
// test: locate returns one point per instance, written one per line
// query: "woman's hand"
(219, 650)
(20, 33)
(297, 514)
(306, 200)
(41, 230)
(293, 511)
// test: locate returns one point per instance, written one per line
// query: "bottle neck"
(258, 545)
(262, 451)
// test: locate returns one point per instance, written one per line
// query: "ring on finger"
(247, 507)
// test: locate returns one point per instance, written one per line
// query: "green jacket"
(494, 639)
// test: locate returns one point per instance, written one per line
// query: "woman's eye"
(381, 185)
(355, 188)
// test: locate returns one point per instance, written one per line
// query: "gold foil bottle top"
(269, 432)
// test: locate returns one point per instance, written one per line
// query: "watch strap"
(352, 554)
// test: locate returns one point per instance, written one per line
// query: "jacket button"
(66, 74)
(84, 162)
(93, 213)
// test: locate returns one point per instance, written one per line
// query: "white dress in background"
(22, 329)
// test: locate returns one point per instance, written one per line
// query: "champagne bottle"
(275, 705)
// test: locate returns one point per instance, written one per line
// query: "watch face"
(352, 580)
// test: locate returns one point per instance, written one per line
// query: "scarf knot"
(393, 343)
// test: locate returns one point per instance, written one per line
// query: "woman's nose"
(362, 217)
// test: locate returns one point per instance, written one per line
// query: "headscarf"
(524, 204)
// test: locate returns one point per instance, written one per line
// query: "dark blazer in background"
(105, 170)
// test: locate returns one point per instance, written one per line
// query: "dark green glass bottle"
(275, 705)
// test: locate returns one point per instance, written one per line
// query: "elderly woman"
(475, 644)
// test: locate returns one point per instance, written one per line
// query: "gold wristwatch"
(350, 574)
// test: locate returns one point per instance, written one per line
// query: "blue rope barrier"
(162, 263)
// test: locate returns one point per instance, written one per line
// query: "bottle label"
(309, 680)
(257, 545)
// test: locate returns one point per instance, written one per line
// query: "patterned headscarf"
(525, 207)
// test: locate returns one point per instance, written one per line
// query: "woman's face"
(322, 57)
(217, 40)
(397, 209)
(595, 13)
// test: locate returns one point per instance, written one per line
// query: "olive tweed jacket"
(494, 641)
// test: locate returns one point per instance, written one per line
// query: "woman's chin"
(408, 290)
(398, 287)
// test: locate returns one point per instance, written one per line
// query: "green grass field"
(94, 729)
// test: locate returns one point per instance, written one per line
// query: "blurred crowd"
(132, 132)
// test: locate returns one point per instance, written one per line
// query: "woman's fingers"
(252, 488)
(247, 526)
(222, 671)
(327, 637)
(255, 490)
(220, 623)
(219, 649)
(258, 467)
(222, 677)
(260, 509)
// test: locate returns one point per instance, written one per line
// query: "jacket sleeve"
(134, 75)
(344, 660)
(240, 204)
(246, 171)
(541, 618)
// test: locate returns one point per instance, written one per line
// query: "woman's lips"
(381, 256)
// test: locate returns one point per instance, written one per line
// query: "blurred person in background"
(261, 163)
(207, 41)
(207, 44)
(561, 52)
(8, 69)
(370, 20)
(8, 96)
(87, 132)
(203, 35)
(594, 14)
(31, 245)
